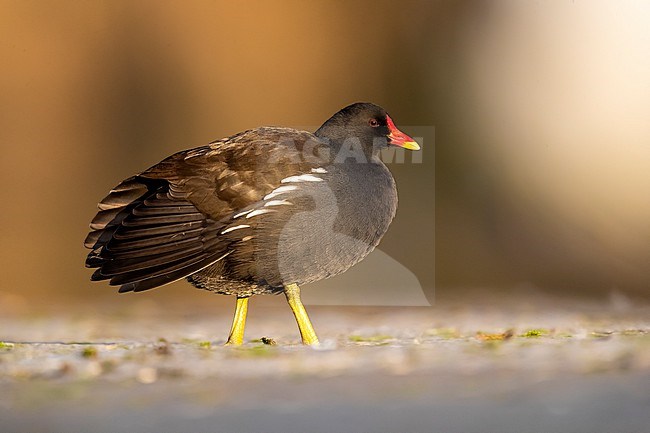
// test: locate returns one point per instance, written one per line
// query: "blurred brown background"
(538, 174)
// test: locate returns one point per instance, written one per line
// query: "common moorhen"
(263, 211)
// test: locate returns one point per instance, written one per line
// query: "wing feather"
(170, 275)
(164, 224)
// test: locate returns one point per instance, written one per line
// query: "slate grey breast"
(254, 212)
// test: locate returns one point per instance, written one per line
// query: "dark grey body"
(329, 227)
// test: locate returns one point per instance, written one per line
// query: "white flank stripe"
(258, 212)
(277, 203)
(279, 190)
(229, 229)
(242, 213)
(318, 170)
(302, 178)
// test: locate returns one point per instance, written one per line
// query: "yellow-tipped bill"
(398, 138)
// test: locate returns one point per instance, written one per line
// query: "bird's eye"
(373, 122)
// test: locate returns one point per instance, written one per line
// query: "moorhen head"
(261, 212)
(366, 124)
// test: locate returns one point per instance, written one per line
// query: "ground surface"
(542, 365)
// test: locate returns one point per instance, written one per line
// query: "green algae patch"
(444, 333)
(89, 352)
(378, 339)
(499, 336)
(633, 332)
(205, 344)
(535, 333)
(6, 346)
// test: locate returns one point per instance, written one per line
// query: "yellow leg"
(292, 291)
(236, 336)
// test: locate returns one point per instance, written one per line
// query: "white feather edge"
(229, 229)
(277, 203)
(302, 178)
(280, 190)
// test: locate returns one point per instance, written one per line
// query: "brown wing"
(163, 224)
